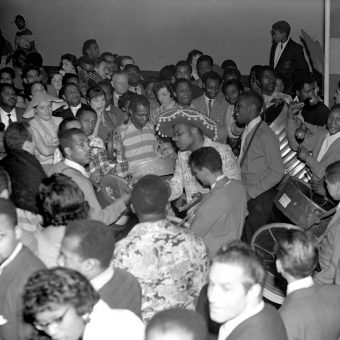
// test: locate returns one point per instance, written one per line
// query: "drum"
(263, 243)
(178, 222)
(293, 166)
(155, 166)
(305, 209)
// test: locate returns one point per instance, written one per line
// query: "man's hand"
(303, 153)
(294, 108)
(319, 188)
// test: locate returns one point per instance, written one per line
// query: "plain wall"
(160, 32)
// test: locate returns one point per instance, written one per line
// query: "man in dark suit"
(8, 99)
(236, 281)
(71, 94)
(286, 56)
(310, 311)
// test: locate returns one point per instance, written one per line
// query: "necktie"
(9, 119)
(209, 106)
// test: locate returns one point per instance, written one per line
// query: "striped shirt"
(140, 144)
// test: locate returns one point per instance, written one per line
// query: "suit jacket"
(218, 113)
(265, 325)
(261, 166)
(220, 215)
(312, 313)
(66, 113)
(291, 64)
(123, 291)
(329, 251)
(108, 215)
(12, 281)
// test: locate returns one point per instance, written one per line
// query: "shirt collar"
(100, 280)
(207, 99)
(11, 257)
(76, 166)
(227, 328)
(217, 179)
(74, 109)
(8, 113)
(299, 284)
(285, 43)
(334, 137)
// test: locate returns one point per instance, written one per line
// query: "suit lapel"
(285, 52)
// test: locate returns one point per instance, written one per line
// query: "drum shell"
(156, 166)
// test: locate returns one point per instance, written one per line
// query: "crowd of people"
(169, 257)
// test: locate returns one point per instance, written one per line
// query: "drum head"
(113, 187)
(264, 242)
(155, 166)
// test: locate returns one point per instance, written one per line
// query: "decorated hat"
(38, 98)
(188, 116)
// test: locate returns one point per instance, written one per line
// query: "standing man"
(260, 161)
(286, 56)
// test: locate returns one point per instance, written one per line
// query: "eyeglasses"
(57, 321)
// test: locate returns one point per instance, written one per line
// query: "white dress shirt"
(217, 179)
(76, 166)
(227, 328)
(5, 116)
(75, 109)
(299, 284)
(328, 141)
(279, 50)
(100, 280)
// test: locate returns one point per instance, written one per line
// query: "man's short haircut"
(167, 73)
(240, 254)
(84, 60)
(205, 58)
(212, 75)
(61, 286)
(65, 87)
(61, 200)
(304, 78)
(119, 74)
(28, 89)
(8, 209)
(136, 100)
(281, 26)
(192, 54)
(96, 240)
(184, 63)
(8, 70)
(180, 81)
(297, 253)
(29, 68)
(69, 57)
(237, 83)
(67, 77)
(228, 63)
(94, 92)
(16, 135)
(332, 173)
(150, 195)
(206, 157)
(4, 85)
(34, 59)
(5, 180)
(108, 54)
(263, 69)
(178, 320)
(163, 84)
(63, 125)
(66, 138)
(128, 66)
(84, 109)
(254, 98)
(86, 45)
(234, 72)
(121, 58)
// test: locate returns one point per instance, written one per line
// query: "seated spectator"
(309, 311)
(164, 93)
(329, 249)
(7, 76)
(320, 147)
(236, 282)
(100, 67)
(88, 247)
(17, 263)
(68, 64)
(56, 84)
(176, 324)
(204, 64)
(184, 70)
(85, 71)
(167, 74)
(120, 84)
(8, 99)
(220, 216)
(169, 262)
(44, 127)
(65, 299)
(60, 201)
(90, 49)
(30, 75)
(152, 98)
(192, 60)
(35, 60)
(212, 103)
(135, 79)
(111, 63)
(32, 89)
(125, 60)
(76, 151)
(138, 137)
(70, 78)
(314, 111)
(191, 130)
(99, 164)
(183, 93)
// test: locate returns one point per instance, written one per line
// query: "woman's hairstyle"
(192, 54)
(60, 286)
(94, 92)
(61, 200)
(161, 85)
(69, 57)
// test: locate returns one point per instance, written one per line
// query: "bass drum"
(263, 243)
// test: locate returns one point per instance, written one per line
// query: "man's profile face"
(278, 36)
(32, 76)
(226, 294)
(79, 152)
(183, 137)
(242, 111)
(8, 238)
(203, 67)
(93, 51)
